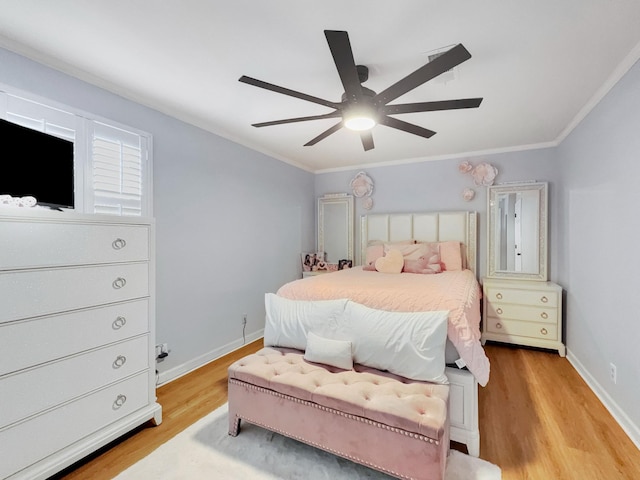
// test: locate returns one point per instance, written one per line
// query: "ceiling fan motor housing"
(363, 73)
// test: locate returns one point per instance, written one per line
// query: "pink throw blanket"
(457, 292)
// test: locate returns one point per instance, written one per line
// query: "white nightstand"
(523, 312)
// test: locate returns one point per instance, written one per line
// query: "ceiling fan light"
(359, 123)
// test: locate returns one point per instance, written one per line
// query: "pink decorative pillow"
(410, 250)
(422, 265)
(427, 263)
(450, 256)
(373, 253)
(392, 262)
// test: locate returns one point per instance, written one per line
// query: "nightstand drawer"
(523, 329)
(523, 312)
(524, 297)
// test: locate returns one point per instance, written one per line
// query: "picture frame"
(344, 264)
(313, 261)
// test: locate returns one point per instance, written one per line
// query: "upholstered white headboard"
(423, 227)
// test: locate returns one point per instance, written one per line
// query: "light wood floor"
(538, 421)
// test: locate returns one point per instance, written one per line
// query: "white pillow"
(409, 344)
(288, 321)
(330, 352)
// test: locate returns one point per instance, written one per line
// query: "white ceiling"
(540, 65)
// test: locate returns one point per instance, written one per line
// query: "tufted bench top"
(414, 406)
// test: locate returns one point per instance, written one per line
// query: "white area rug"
(206, 451)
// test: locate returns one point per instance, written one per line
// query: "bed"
(455, 291)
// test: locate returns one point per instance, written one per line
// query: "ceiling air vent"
(448, 75)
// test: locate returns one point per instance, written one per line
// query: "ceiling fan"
(360, 108)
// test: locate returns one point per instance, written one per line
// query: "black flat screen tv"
(36, 164)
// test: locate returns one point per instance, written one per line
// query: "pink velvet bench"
(386, 422)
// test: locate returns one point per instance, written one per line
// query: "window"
(112, 164)
(118, 159)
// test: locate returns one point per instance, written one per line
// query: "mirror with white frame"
(517, 231)
(336, 227)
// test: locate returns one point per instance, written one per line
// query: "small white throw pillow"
(336, 353)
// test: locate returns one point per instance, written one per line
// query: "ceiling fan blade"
(343, 58)
(298, 119)
(286, 91)
(324, 134)
(406, 127)
(367, 140)
(431, 106)
(444, 62)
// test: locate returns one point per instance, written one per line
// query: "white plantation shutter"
(118, 161)
(41, 117)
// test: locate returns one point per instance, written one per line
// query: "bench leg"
(234, 425)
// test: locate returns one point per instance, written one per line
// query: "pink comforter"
(457, 292)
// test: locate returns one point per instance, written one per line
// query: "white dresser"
(77, 336)
(523, 312)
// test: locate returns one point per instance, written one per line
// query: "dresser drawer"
(522, 312)
(36, 389)
(32, 293)
(49, 244)
(27, 442)
(523, 329)
(539, 298)
(35, 341)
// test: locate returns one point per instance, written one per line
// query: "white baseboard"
(191, 365)
(630, 428)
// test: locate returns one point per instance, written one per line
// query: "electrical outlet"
(244, 319)
(613, 372)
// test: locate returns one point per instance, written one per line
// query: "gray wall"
(230, 221)
(600, 222)
(438, 185)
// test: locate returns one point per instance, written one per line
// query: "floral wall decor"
(362, 187)
(483, 174)
(468, 194)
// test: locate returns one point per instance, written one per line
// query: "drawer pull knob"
(544, 315)
(119, 283)
(119, 244)
(543, 331)
(499, 311)
(499, 296)
(118, 323)
(544, 299)
(498, 325)
(119, 361)
(119, 401)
